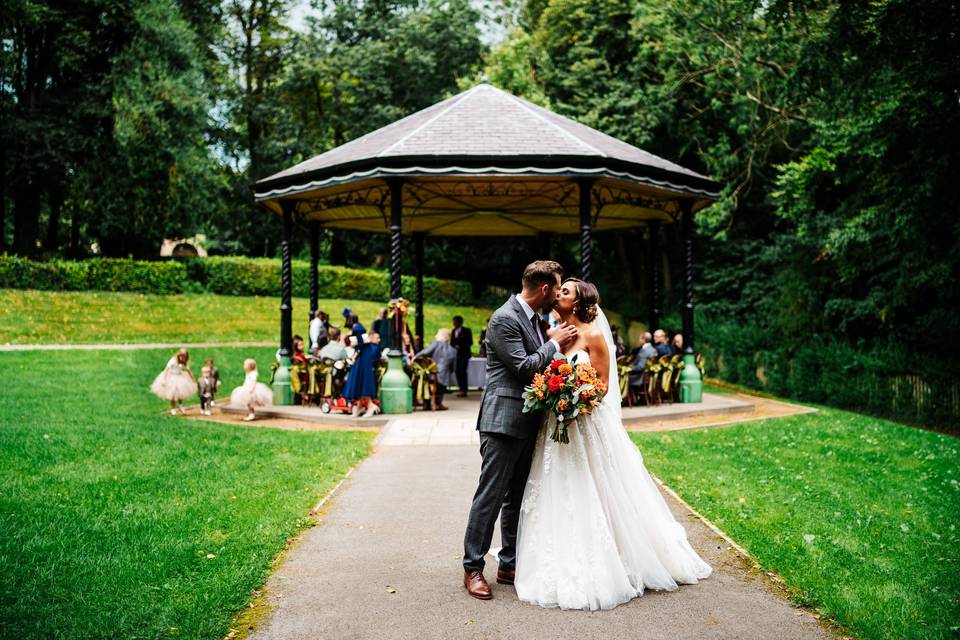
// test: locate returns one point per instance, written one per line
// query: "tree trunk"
(3, 198)
(73, 247)
(26, 221)
(52, 244)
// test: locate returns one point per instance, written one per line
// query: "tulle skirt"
(594, 529)
(260, 396)
(173, 384)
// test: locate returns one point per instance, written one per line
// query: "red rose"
(555, 365)
(555, 383)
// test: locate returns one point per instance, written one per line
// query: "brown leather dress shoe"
(477, 585)
(506, 576)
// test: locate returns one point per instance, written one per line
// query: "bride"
(594, 529)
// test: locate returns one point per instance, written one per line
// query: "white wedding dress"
(594, 529)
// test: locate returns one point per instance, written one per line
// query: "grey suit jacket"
(513, 356)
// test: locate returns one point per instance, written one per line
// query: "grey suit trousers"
(503, 477)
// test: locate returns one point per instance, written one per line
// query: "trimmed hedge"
(101, 274)
(225, 276)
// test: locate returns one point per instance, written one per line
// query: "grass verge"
(117, 521)
(96, 317)
(858, 514)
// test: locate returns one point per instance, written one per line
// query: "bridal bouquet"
(567, 390)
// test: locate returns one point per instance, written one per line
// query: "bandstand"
(484, 163)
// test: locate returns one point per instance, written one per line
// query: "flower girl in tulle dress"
(176, 382)
(252, 393)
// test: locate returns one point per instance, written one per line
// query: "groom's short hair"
(540, 273)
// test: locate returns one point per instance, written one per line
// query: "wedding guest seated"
(334, 349)
(660, 343)
(299, 356)
(443, 353)
(299, 360)
(617, 340)
(646, 352)
(351, 328)
(678, 344)
(407, 350)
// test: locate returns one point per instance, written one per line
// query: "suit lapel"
(524, 321)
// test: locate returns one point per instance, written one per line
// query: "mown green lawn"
(859, 515)
(95, 317)
(119, 522)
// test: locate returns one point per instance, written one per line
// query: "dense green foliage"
(832, 126)
(221, 275)
(857, 514)
(124, 123)
(885, 380)
(828, 260)
(120, 522)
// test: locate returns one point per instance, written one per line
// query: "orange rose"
(565, 369)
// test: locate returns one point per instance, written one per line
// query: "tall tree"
(162, 170)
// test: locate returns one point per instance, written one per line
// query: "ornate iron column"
(586, 242)
(314, 257)
(396, 214)
(396, 396)
(653, 255)
(691, 384)
(282, 393)
(418, 251)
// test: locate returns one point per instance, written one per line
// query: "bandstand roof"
(486, 163)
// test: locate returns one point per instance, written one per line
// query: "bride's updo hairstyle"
(585, 308)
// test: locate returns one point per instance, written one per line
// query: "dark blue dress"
(362, 379)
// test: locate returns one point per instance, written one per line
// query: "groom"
(517, 348)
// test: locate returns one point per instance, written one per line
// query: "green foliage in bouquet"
(565, 390)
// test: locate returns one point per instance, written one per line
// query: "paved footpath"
(384, 562)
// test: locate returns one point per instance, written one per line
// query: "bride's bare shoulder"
(593, 335)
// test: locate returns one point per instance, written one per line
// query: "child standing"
(252, 393)
(208, 390)
(215, 374)
(176, 382)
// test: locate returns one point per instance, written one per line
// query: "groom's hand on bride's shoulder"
(565, 334)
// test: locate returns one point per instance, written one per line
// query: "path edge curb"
(830, 624)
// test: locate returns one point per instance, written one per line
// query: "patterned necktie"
(536, 327)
